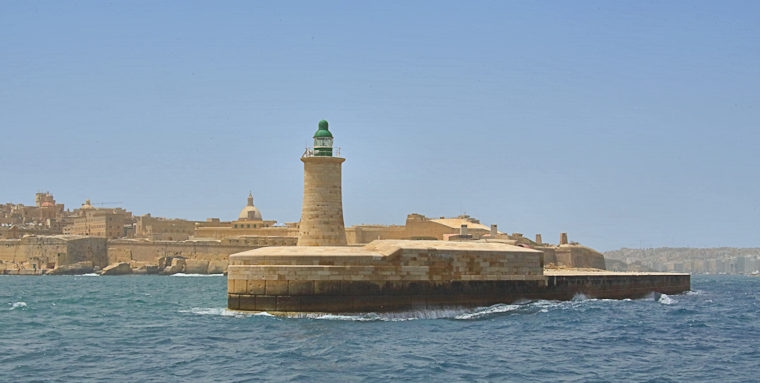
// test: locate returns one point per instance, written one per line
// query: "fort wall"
(572, 256)
(384, 275)
(397, 275)
(566, 284)
(38, 253)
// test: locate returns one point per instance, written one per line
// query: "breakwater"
(398, 275)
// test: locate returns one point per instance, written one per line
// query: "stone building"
(418, 226)
(163, 229)
(46, 217)
(99, 222)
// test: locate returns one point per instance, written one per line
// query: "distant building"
(44, 218)
(249, 223)
(99, 222)
(418, 226)
(163, 229)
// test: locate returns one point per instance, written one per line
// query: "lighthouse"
(322, 209)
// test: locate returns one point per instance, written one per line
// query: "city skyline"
(627, 124)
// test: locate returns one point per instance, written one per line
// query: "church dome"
(87, 205)
(250, 212)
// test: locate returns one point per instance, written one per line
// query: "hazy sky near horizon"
(625, 124)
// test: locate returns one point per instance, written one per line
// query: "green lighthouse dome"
(323, 141)
(322, 131)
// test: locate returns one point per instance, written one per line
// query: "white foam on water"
(383, 317)
(579, 297)
(218, 311)
(369, 317)
(17, 305)
(486, 311)
(365, 317)
(196, 275)
(442, 313)
(666, 300)
(89, 275)
(545, 305)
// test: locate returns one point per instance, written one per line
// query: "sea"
(145, 328)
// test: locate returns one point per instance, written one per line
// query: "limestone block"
(276, 287)
(300, 287)
(217, 267)
(74, 268)
(288, 303)
(256, 287)
(177, 266)
(327, 287)
(265, 303)
(247, 302)
(196, 266)
(120, 268)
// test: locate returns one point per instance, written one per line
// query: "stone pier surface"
(399, 275)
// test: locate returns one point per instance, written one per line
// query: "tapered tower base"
(322, 211)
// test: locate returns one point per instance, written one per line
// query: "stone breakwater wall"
(566, 284)
(391, 275)
(387, 275)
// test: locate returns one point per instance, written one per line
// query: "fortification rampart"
(394, 275)
(572, 256)
(566, 284)
(200, 256)
(381, 276)
(38, 253)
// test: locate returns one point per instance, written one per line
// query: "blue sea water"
(176, 328)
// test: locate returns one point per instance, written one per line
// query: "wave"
(402, 316)
(196, 275)
(666, 300)
(17, 305)
(90, 275)
(454, 313)
(580, 297)
(488, 311)
(224, 312)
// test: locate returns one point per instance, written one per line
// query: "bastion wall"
(38, 254)
(572, 256)
(46, 252)
(383, 275)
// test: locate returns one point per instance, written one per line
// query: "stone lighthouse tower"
(322, 210)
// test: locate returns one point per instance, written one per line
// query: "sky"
(625, 124)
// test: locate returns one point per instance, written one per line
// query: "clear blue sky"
(625, 124)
